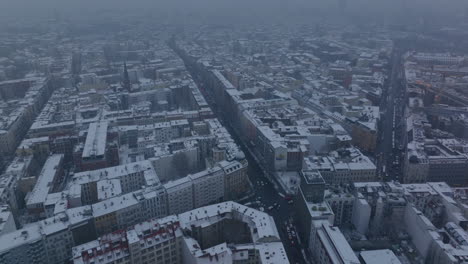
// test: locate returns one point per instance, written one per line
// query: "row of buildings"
(220, 233)
(288, 135)
(428, 219)
(434, 139)
(22, 101)
(114, 148)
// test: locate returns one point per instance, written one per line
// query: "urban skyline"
(233, 132)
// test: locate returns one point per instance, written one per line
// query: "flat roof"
(95, 144)
(108, 188)
(45, 180)
(264, 223)
(382, 256)
(334, 241)
(114, 204)
(27, 235)
(223, 80)
(117, 172)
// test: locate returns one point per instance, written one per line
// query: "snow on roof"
(223, 80)
(34, 232)
(208, 172)
(117, 172)
(260, 221)
(222, 253)
(108, 188)
(334, 242)
(354, 160)
(383, 256)
(27, 235)
(441, 187)
(419, 188)
(53, 198)
(45, 180)
(114, 204)
(19, 165)
(270, 253)
(156, 231)
(28, 142)
(367, 184)
(178, 184)
(5, 214)
(95, 144)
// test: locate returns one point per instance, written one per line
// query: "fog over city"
(233, 131)
(281, 9)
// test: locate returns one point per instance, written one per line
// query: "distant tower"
(126, 78)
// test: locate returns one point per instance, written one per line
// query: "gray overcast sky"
(19, 9)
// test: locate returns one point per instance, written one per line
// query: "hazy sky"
(19, 9)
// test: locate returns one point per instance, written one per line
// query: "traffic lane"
(385, 145)
(265, 192)
(270, 200)
(265, 197)
(290, 243)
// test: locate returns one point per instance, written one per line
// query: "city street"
(274, 132)
(389, 150)
(266, 196)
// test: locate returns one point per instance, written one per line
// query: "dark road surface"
(389, 153)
